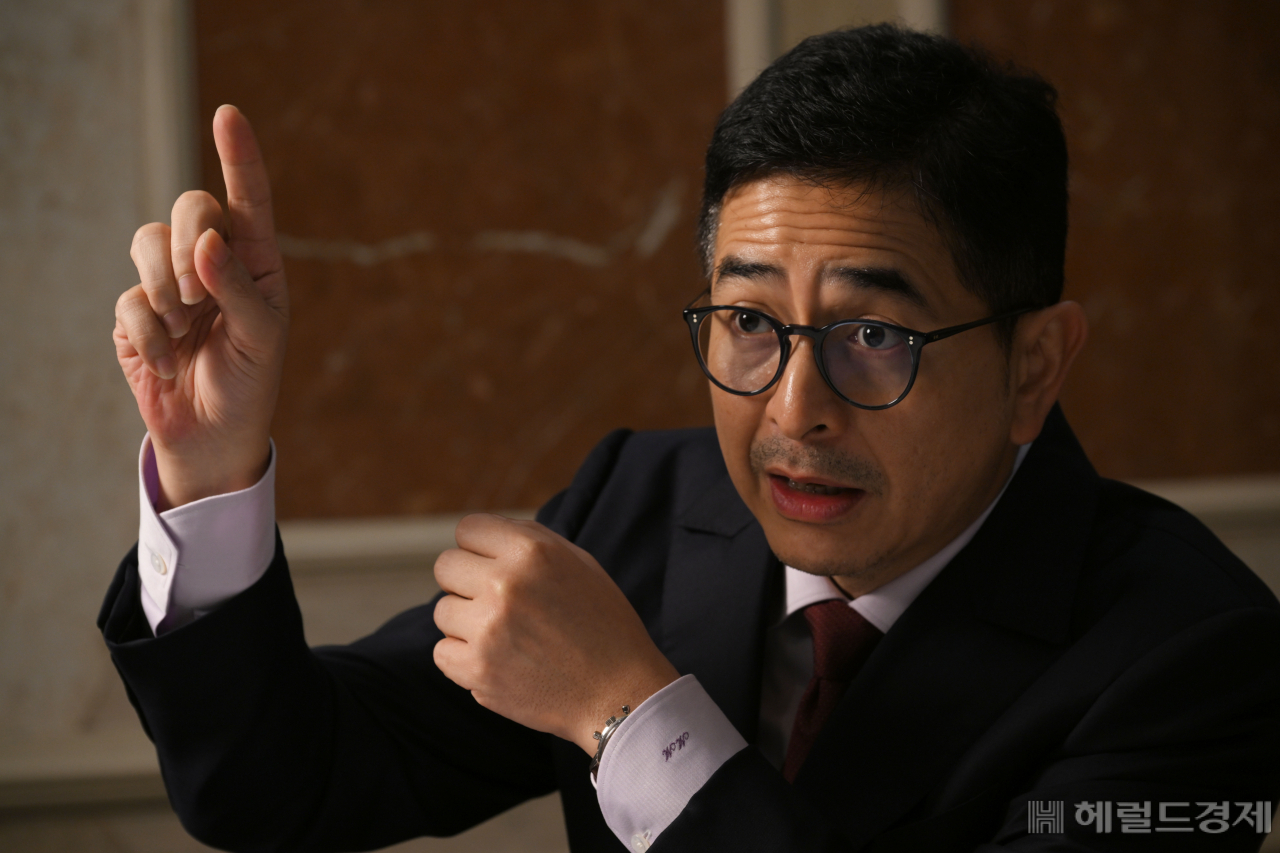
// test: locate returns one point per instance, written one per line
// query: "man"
(886, 605)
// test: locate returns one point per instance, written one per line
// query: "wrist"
(191, 475)
(603, 736)
(631, 693)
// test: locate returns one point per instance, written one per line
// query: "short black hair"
(976, 142)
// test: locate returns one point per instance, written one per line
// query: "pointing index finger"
(253, 233)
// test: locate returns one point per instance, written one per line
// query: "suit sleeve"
(266, 744)
(1194, 724)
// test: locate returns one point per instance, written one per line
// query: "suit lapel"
(718, 585)
(957, 658)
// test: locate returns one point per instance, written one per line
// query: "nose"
(802, 405)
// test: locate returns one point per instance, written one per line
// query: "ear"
(1044, 346)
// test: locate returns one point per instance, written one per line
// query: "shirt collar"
(883, 605)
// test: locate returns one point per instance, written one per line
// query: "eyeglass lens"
(868, 364)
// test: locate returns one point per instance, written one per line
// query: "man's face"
(865, 495)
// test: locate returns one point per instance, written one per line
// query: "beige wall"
(82, 162)
(71, 194)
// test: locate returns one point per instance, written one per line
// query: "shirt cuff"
(659, 757)
(193, 558)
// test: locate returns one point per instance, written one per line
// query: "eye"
(750, 324)
(875, 337)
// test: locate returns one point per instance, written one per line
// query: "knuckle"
(529, 550)
(534, 554)
(161, 298)
(143, 331)
(500, 607)
(258, 198)
(512, 584)
(145, 239)
(122, 302)
(150, 231)
(467, 522)
(196, 199)
(132, 308)
(193, 212)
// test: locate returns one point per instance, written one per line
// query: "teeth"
(815, 488)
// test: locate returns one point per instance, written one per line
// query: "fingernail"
(216, 248)
(175, 323)
(190, 288)
(167, 367)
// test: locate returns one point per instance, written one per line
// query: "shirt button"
(157, 563)
(640, 841)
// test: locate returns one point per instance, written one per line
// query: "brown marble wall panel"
(1172, 114)
(487, 210)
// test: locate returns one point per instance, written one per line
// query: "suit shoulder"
(696, 446)
(634, 468)
(1161, 543)
(628, 454)
(670, 467)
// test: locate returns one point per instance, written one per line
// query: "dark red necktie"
(842, 642)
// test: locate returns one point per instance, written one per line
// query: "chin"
(859, 567)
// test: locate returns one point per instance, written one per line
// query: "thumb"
(248, 318)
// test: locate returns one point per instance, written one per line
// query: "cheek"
(964, 397)
(932, 439)
(949, 436)
(737, 420)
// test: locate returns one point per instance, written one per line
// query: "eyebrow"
(882, 279)
(735, 267)
(885, 280)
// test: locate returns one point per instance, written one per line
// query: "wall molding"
(1225, 504)
(110, 768)
(371, 544)
(1249, 500)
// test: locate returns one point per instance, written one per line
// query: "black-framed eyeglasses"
(867, 363)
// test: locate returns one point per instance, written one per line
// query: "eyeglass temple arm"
(706, 292)
(930, 337)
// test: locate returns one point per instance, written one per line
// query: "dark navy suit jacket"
(1092, 643)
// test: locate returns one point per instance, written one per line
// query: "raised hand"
(201, 339)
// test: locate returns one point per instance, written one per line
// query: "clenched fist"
(201, 338)
(537, 631)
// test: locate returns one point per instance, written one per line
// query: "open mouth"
(816, 488)
(812, 502)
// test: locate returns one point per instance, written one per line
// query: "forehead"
(839, 243)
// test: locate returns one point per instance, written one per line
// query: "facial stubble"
(826, 463)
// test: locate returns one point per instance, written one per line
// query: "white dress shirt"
(193, 558)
